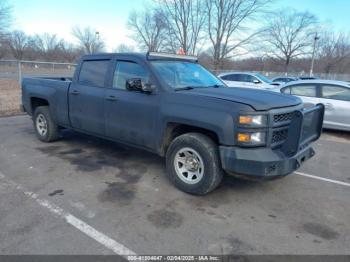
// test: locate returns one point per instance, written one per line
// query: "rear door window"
(304, 90)
(242, 78)
(93, 73)
(336, 92)
(233, 77)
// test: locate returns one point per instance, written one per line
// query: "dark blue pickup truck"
(172, 106)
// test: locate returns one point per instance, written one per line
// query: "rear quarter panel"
(53, 91)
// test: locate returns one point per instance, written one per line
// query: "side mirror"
(148, 88)
(256, 81)
(136, 84)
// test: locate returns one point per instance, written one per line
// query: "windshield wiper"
(193, 87)
(184, 88)
(216, 86)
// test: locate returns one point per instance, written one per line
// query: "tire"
(185, 155)
(45, 128)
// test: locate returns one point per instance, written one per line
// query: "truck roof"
(149, 56)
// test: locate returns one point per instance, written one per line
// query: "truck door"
(131, 116)
(86, 97)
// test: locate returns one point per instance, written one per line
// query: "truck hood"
(258, 99)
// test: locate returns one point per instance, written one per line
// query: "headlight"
(251, 139)
(252, 120)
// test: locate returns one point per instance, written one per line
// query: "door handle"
(111, 98)
(75, 92)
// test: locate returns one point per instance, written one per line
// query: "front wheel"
(193, 164)
(45, 128)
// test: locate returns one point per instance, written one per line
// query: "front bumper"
(261, 162)
(277, 159)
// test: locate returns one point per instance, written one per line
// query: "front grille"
(283, 117)
(284, 129)
(279, 136)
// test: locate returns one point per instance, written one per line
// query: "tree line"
(225, 34)
(49, 47)
(241, 34)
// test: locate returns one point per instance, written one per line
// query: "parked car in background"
(335, 95)
(284, 79)
(248, 80)
(308, 78)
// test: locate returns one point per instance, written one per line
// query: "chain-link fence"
(12, 72)
(14, 69)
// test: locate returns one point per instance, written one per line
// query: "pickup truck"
(172, 106)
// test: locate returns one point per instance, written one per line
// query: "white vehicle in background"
(335, 95)
(284, 79)
(248, 80)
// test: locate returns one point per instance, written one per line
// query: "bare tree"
(148, 29)
(17, 41)
(4, 49)
(5, 17)
(288, 35)
(89, 39)
(185, 21)
(5, 21)
(123, 48)
(49, 46)
(227, 30)
(333, 52)
(69, 53)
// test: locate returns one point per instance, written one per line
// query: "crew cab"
(172, 106)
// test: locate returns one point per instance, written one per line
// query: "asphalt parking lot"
(83, 195)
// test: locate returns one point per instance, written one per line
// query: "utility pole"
(19, 72)
(96, 42)
(316, 38)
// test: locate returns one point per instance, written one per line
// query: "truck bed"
(52, 89)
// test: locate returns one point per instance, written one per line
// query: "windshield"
(179, 74)
(263, 78)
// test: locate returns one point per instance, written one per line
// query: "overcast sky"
(109, 17)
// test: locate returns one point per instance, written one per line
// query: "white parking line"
(323, 179)
(101, 238)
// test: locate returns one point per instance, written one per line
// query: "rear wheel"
(193, 164)
(45, 128)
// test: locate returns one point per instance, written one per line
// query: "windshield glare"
(263, 78)
(178, 74)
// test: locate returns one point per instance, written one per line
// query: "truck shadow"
(336, 133)
(91, 154)
(97, 156)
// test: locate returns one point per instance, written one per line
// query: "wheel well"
(174, 130)
(36, 102)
